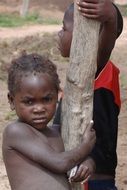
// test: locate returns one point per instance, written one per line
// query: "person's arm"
(108, 34)
(105, 12)
(27, 141)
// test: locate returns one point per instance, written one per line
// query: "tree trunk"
(24, 8)
(77, 105)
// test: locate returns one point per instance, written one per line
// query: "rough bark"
(77, 105)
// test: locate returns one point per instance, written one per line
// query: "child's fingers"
(91, 123)
(89, 10)
(85, 5)
(85, 172)
(81, 173)
(90, 126)
(90, 16)
(89, 130)
(89, 1)
(77, 175)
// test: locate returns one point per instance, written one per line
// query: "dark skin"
(33, 153)
(104, 12)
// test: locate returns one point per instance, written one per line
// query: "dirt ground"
(119, 57)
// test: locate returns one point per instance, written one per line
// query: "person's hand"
(101, 10)
(84, 171)
(89, 136)
(60, 94)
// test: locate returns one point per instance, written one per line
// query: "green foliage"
(14, 20)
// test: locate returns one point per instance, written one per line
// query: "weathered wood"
(24, 8)
(77, 105)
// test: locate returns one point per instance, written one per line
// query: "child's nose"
(39, 109)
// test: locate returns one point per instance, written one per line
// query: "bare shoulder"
(16, 128)
(15, 131)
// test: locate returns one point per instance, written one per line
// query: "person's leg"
(100, 185)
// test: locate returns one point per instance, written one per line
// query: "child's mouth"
(39, 120)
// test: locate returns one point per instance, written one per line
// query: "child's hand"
(89, 136)
(60, 94)
(101, 10)
(85, 171)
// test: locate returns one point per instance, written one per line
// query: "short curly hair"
(30, 63)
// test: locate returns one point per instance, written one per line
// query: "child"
(34, 153)
(103, 159)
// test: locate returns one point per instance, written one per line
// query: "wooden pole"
(77, 105)
(24, 8)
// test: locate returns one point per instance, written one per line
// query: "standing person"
(33, 153)
(101, 163)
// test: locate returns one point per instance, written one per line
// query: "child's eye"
(47, 99)
(28, 102)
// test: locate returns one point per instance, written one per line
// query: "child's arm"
(27, 141)
(108, 35)
(105, 12)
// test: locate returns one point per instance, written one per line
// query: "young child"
(33, 153)
(100, 166)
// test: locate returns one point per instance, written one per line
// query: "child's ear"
(11, 101)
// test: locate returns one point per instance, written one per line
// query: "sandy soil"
(27, 31)
(121, 2)
(119, 57)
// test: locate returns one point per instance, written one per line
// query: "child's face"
(35, 101)
(65, 37)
